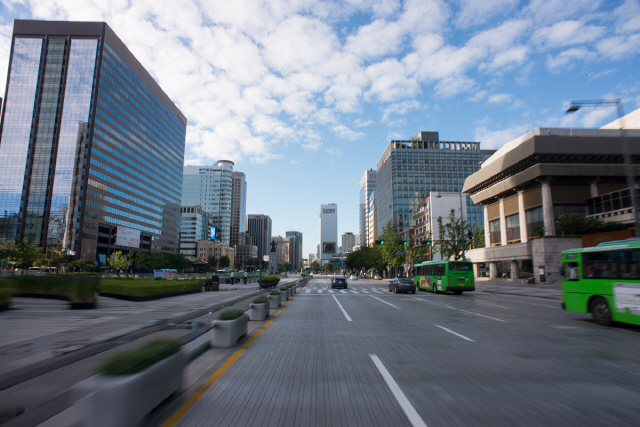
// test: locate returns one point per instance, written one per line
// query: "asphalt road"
(367, 357)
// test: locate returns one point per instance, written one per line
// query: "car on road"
(377, 277)
(402, 284)
(338, 282)
(353, 277)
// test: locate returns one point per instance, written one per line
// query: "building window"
(494, 232)
(513, 228)
(535, 222)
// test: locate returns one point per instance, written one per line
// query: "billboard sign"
(213, 233)
(265, 258)
(328, 210)
(328, 247)
(129, 237)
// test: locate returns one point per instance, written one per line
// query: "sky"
(305, 95)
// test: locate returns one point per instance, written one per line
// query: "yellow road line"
(184, 408)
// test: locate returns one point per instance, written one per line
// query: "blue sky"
(305, 95)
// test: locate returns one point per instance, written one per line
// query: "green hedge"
(6, 292)
(147, 287)
(271, 280)
(274, 293)
(230, 314)
(260, 300)
(79, 289)
(133, 361)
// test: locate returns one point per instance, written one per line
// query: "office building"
(91, 148)
(238, 207)
(372, 219)
(348, 242)
(328, 232)
(408, 170)
(283, 249)
(296, 248)
(243, 253)
(259, 228)
(211, 187)
(194, 227)
(529, 183)
(207, 248)
(365, 188)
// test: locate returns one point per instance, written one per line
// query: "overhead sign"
(128, 237)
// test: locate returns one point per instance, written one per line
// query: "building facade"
(243, 253)
(91, 148)
(207, 248)
(348, 242)
(328, 232)
(532, 181)
(366, 187)
(296, 248)
(408, 170)
(211, 188)
(259, 228)
(238, 207)
(373, 220)
(194, 227)
(283, 249)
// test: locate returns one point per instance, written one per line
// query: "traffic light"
(379, 242)
(404, 243)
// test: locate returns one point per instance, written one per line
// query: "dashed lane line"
(343, 311)
(385, 302)
(454, 333)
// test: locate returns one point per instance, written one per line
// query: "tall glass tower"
(211, 187)
(90, 145)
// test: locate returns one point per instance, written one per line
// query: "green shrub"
(158, 278)
(260, 300)
(146, 287)
(133, 361)
(79, 289)
(274, 293)
(230, 314)
(6, 292)
(284, 288)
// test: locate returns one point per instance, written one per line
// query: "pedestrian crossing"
(317, 290)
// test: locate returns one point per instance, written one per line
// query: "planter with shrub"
(274, 299)
(284, 293)
(130, 384)
(269, 281)
(6, 292)
(259, 308)
(228, 328)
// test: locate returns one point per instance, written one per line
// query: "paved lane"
(469, 360)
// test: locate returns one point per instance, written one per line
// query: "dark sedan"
(402, 284)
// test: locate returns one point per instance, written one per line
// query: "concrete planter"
(274, 301)
(284, 295)
(106, 401)
(225, 333)
(258, 311)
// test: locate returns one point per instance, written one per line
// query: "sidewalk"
(539, 290)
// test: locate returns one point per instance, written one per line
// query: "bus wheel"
(457, 292)
(600, 311)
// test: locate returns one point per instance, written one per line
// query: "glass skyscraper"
(238, 208)
(211, 187)
(409, 170)
(88, 143)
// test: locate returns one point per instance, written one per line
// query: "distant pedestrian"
(232, 277)
(245, 278)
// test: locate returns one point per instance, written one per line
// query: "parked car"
(402, 284)
(353, 277)
(377, 277)
(338, 282)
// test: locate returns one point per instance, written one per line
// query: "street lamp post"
(626, 152)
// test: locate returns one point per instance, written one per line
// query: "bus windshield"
(460, 266)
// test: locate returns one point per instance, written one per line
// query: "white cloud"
(345, 133)
(565, 59)
(394, 136)
(550, 11)
(628, 17)
(619, 47)
(479, 96)
(389, 81)
(567, 33)
(500, 98)
(494, 139)
(451, 86)
(361, 123)
(399, 108)
(376, 39)
(474, 12)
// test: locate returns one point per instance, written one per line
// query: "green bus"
(603, 280)
(442, 276)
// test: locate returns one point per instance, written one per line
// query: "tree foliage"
(365, 258)
(391, 246)
(478, 237)
(119, 261)
(573, 223)
(27, 254)
(224, 262)
(454, 236)
(315, 266)
(58, 255)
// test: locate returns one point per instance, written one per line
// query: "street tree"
(119, 261)
(27, 254)
(142, 260)
(315, 266)
(455, 236)
(478, 237)
(82, 265)
(213, 262)
(329, 266)
(224, 262)
(58, 255)
(391, 246)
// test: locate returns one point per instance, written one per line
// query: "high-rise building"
(259, 228)
(194, 227)
(408, 170)
(373, 220)
(296, 248)
(91, 148)
(283, 249)
(348, 242)
(365, 188)
(328, 232)
(211, 187)
(238, 207)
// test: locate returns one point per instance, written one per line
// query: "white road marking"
(354, 292)
(385, 302)
(520, 302)
(366, 292)
(495, 305)
(481, 315)
(343, 312)
(319, 291)
(454, 333)
(330, 291)
(406, 406)
(308, 291)
(343, 291)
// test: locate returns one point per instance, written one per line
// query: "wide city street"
(367, 357)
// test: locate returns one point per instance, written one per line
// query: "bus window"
(460, 266)
(571, 271)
